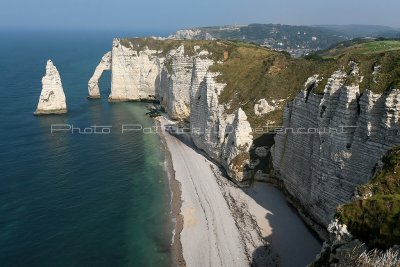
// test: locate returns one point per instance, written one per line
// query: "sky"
(177, 14)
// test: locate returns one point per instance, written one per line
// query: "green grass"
(376, 220)
(379, 46)
(387, 181)
(361, 46)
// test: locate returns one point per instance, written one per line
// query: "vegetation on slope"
(375, 217)
(252, 73)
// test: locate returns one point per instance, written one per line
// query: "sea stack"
(52, 97)
(93, 85)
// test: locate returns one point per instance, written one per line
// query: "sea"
(76, 196)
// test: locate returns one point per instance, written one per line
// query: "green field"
(379, 46)
(361, 46)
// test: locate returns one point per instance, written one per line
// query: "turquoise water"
(71, 199)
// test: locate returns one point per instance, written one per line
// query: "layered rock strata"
(331, 143)
(52, 97)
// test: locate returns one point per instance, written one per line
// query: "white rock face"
(347, 135)
(52, 97)
(147, 75)
(135, 74)
(222, 136)
(338, 233)
(93, 85)
(262, 107)
(176, 97)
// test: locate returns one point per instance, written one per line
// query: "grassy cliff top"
(216, 48)
(375, 219)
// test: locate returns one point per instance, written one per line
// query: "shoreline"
(176, 203)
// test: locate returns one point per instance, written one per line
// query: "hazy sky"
(173, 14)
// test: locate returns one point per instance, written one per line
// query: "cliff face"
(134, 73)
(52, 97)
(180, 78)
(348, 133)
(145, 74)
(224, 137)
(177, 75)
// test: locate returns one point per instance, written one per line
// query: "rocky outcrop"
(52, 97)
(93, 85)
(331, 143)
(262, 107)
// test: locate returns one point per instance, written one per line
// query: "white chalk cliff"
(350, 132)
(52, 97)
(93, 84)
(188, 90)
(135, 73)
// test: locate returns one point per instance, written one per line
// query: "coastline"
(176, 203)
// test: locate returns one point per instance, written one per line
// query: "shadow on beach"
(280, 223)
(288, 235)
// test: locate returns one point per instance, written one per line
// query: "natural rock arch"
(93, 84)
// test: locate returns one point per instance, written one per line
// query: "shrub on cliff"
(373, 258)
(374, 218)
